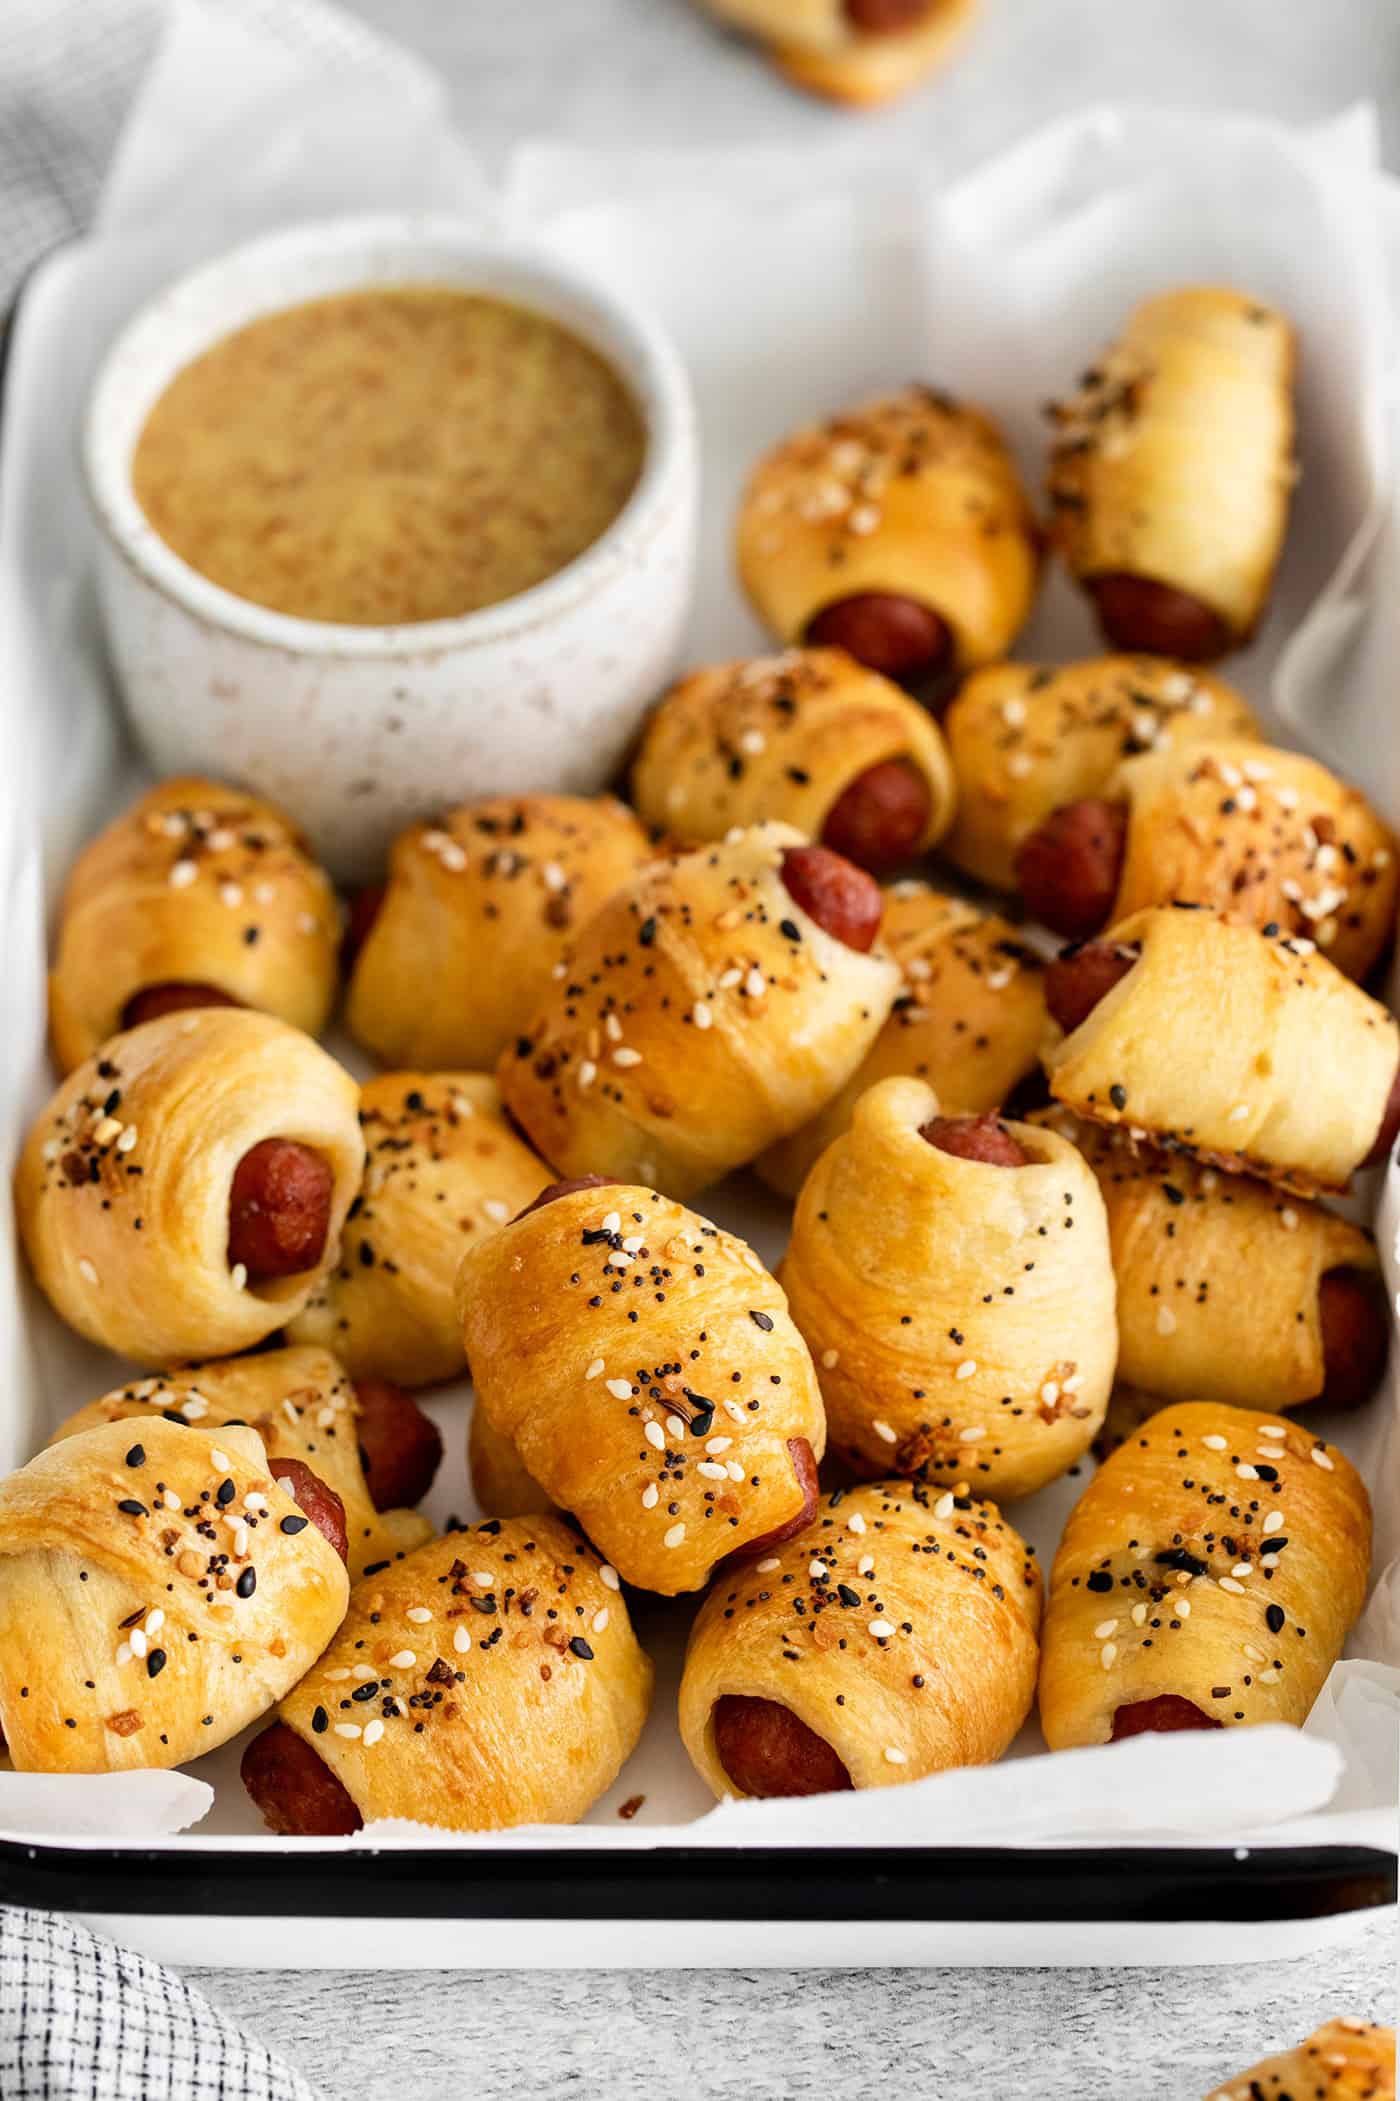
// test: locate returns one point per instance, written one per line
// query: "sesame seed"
(866, 1565)
(124, 1653)
(656, 1436)
(1229, 1583)
(1243, 1568)
(712, 1470)
(403, 1661)
(612, 1223)
(894, 1756)
(349, 1730)
(626, 1056)
(971, 1436)
(373, 1731)
(881, 1629)
(495, 1210)
(1166, 1321)
(944, 1506)
(855, 1523)
(137, 1641)
(1288, 1219)
(1104, 1629)
(587, 1074)
(419, 1614)
(461, 1641)
(816, 1569)
(1108, 1655)
(595, 1369)
(608, 1576)
(219, 1459)
(1269, 1676)
(701, 1015)
(755, 984)
(238, 1277)
(673, 1535)
(483, 1578)
(767, 1565)
(231, 894)
(830, 1359)
(716, 1445)
(651, 1496)
(1246, 1472)
(1139, 1615)
(87, 1271)
(1215, 1443)
(1320, 1458)
(553, 876)
(1240, 1112)
(1274, 1521)
(1183, 1609)
(108, 1129)
(182, 874)
(967, 1369)
(620, 1389)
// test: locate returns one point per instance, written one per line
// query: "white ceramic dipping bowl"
(356, 731)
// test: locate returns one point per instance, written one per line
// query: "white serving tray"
(824, 293)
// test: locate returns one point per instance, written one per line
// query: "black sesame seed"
(131, 1508)
(320, 1720)
(155, 1663)
(247, 1583)
(293, 1524)
(581, 1649)
(1099, 1579)
(762, 1320)
(136, 1456)
(1118, 1095)
(1274, 1616)
(224, 1493)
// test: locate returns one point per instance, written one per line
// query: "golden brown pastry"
(158, 1592)
(969, 1019)
(1173, 468)
(1207, 1577)
(677, 1437)
(197, 895)
(1247, 1050)
(491, 1678)
(1229, 1290)
(500, 1481)
(809, 738)
(460, 948)
(894, 1637)
(1344, 2060)
(859, 52)
(951, 1277)
(301, 1405)
(1269, 836)
(897, 530)
(183, 1193)
(1026, 739)
(713, 1006)
(443, 1169)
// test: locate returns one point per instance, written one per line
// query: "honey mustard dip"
(396, 454)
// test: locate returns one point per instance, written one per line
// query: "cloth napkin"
(84, 2020)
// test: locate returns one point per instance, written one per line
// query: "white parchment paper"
(788, 290)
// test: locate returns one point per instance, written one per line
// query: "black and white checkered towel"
(84, 2020)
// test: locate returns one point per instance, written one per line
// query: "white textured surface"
(600, 72)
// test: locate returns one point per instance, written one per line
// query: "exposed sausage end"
(1069, 867)
(767, 1751)
(174, 998)
(1160, 1717)
(298, 1794)
(881, 818)
(315, 1497)
(1137, 613)
(1080, 977)
(896, 636)
(400, 1446)
(983, 1138)
(279, 1209)
(552, 1194)
(843, 900)
(1355, 1334)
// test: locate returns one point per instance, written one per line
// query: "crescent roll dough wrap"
(1258, 1529)
(900, 1627)
(1025, 738)
(703, 1015)
(960, 1314)
(444, 1169)
(500, 1482)
(1249, 1051)
(478, 911)
(510, 1687)
(137, 1628)
(301, 1405)
(1344, 2060)
(196, 887)
(910, 494)
(818, 46)
(1267, 835)
(1218, 1275)
(782, 737)
(675, 1439)
(969, 1019)
(1173, 463)
(123, 1188)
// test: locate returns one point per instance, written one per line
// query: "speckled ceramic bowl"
(359, 730)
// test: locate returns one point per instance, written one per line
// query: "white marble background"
(652, 72)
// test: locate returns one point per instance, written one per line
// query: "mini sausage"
(983, 1138)
(279, 1209)
(552, 1194)
(880, 819)
(1137, 613)
(400, 1447)
(1080, 977)
(890, 634)
(1390, 1126)
(1069, 867)
(1160, 1717)
(804, 1466)
(363, 911)
(298, 1794)
(885, 17)
(1355, 1334)
(320, 1502)
(767, 1751)
(842, 898)
(154, 1000)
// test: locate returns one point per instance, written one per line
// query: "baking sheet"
(788, 294)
